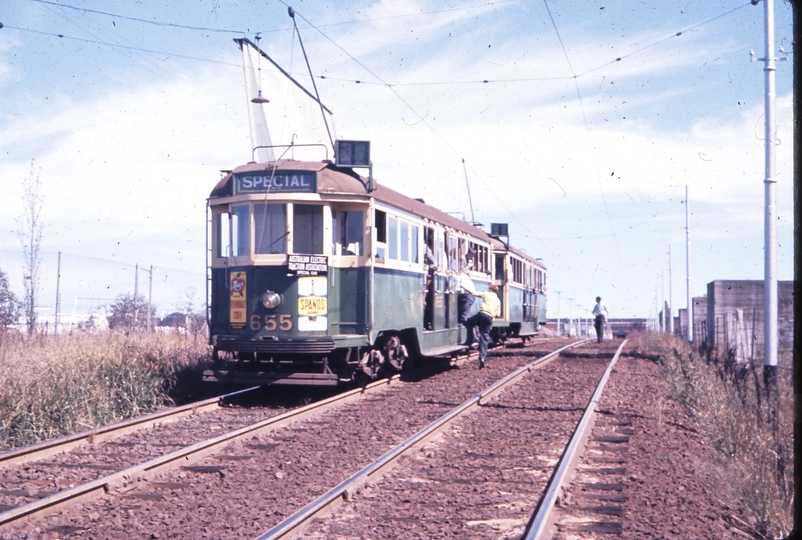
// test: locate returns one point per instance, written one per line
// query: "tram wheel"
(396, 353)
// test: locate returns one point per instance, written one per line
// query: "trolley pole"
(688, 263)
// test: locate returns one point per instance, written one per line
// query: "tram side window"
(452, 252)
(500, 267)
(380, 219)
(334, 235)
(404, 241)
(392, 238)
(413, 246)
(270, 222)
(307, 228)
(352, 229)
(480, 262)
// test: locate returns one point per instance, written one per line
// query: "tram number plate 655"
(284, 322)
(312, 306)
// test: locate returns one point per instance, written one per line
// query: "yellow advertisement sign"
(312, 306)
(238, 300)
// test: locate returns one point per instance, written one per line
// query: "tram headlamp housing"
(271, 300)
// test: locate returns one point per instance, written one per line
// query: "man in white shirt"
(601, 314)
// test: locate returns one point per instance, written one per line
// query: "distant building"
(699, 319)
(735, 314)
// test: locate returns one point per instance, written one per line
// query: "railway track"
(435, 492)
(44, 449)
(286, 460)
(76, 475)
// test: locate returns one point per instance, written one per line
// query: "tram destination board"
(275, 181)
(307, 265)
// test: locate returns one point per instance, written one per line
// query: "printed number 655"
(283, 323)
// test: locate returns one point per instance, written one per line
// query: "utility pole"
(136, 292)
(770, 212)
(558, 312)
(150, 296)
(688, 263)
(58, 297)
(663, 319)
(670, 294)
(570, 315)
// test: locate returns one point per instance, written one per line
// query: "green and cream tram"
(318, 277)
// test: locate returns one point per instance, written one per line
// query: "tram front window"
(270, 222)
(352, 232)
(307, 228)
(233, 232)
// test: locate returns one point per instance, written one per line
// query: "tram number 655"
(283, 323)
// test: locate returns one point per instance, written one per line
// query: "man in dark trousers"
(601, 314)
(491, 307)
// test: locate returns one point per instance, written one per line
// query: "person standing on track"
(491, 307)
(601, 314)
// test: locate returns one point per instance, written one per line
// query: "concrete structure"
(699, 319)
(735, 311)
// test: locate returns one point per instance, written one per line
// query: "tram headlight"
(271, 300)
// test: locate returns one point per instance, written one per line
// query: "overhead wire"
(587, 130)
(422, 118)
(391, 86)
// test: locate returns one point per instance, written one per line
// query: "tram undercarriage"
(337, 366)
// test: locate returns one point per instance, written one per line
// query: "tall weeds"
(751, 424)
(50, 389)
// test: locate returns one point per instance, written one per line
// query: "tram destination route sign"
(276, 181)
(307, 265)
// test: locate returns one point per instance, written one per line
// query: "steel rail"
(293, 526)
(50, 447)
(541, 519)
(127, 478)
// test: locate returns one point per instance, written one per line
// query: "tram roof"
(332, 179)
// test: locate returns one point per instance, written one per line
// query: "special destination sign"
(275, 181)
(307, 265)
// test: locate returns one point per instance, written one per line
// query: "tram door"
(429, 279)
(501, 272)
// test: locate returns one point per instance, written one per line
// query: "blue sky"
(129, 122)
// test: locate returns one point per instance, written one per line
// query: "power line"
(145, 21)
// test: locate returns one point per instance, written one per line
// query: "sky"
(580, 123)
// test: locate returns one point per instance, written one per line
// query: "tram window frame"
(222, 234)
(414, 243)
(380, 222)
(480, 263)
(312, 240)
(403, 241)
(500, 270)
(240, 230)
(270, 237)
(452, 252)
(352, 231)
(392, 238)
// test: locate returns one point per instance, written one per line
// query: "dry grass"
(753, 428)
(50, 389)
